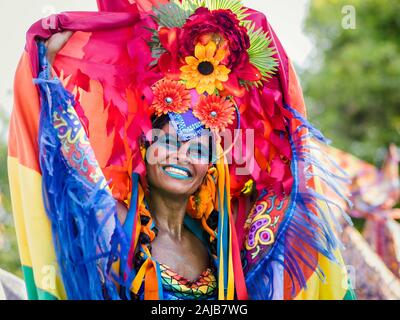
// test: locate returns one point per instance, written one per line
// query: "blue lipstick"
(176, 175)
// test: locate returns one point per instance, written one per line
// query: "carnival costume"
(77, 145)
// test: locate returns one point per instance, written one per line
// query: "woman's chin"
(176, 189)
(175, 184)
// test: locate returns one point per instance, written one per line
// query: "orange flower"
(203, 71)
(170, 96)
(215, 112)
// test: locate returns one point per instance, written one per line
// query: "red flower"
(215, 112)
(218, 22)
(169, 62)
(221, 27)
(245, 71)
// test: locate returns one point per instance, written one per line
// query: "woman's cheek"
(155, 155)
(201, 172)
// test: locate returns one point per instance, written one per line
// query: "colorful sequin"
(177, 287)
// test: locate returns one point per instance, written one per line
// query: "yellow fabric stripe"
(137, 282)
(231, 279)
(137, 216)
(18, 213)
(33, 228)
(221, 182)
(224, 183)
(335, 286)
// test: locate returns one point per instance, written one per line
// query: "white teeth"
(176, 171)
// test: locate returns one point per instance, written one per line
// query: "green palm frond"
(260, 52)
(175, 13)
(189, 5)
(172, 14)
(155, 45)
(249, 84)
(236, 6)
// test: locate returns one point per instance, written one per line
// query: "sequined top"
(176, 287)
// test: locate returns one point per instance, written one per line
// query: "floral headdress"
(209, 54)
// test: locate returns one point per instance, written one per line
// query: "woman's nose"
(182, 153)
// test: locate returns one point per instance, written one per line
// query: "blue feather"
(305, 223)
(84, 251)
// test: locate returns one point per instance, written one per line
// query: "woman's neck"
(168, 212)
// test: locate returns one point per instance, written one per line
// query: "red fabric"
(240, 221)
(240, 283)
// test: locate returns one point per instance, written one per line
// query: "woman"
(189, 226)
(181, 168)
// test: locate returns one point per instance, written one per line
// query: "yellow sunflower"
(204, 71)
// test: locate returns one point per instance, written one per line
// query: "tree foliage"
(353, 84)
(9, 259)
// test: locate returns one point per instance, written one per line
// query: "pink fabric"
(109, 48)
(127, 5)
(116, 5)
(74, 21)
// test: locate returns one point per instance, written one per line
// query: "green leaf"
(260, 52)
(236, 6)
(172, 15)
(189, 5)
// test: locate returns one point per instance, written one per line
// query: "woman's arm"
(56, 43)
(122, 211)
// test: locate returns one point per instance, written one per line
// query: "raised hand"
(56, 43)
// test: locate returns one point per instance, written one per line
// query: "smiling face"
(175, 167)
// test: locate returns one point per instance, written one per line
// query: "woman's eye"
(168, 142)
(198, 151)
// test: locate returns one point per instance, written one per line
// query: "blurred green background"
(351, 82)
(9, 259)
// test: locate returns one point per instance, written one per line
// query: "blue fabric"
(186, 125)
(85, 242)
